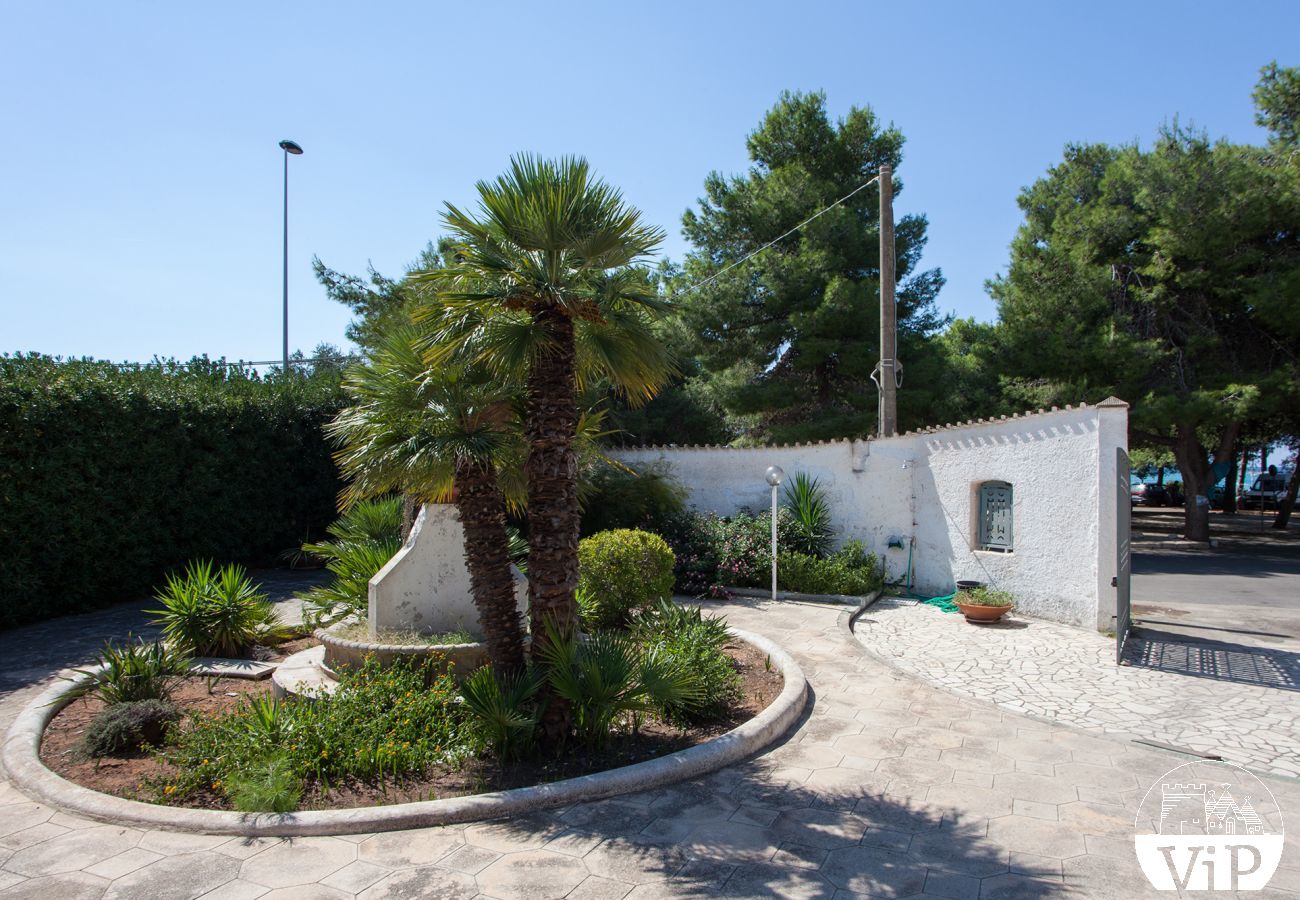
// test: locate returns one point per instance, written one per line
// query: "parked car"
(1217, 495)
(1151, 494)
(1267, 492)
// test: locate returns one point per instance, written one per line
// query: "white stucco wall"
(921, 489)
(425, 586)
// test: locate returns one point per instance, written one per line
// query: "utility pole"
(889, 367)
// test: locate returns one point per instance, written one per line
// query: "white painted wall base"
(920, 489)
(426, 586)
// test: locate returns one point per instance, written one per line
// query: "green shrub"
(125, 727)
(609, 678)
(132, 671)
(504, 710)
(694, 642)
(362, 541)
(614, 498)
(110, 478)
(268, 785)
(216, 612)
(379, 725)
(621, 572)
(806, 500)
(850, 571)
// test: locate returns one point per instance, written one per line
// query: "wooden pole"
(888, 309)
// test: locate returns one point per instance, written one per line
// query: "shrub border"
(21, 757)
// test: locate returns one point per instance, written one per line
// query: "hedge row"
(109, 478)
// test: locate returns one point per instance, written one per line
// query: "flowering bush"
(734, 551)
(380, 725)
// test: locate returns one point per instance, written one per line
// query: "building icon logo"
(1209, 826)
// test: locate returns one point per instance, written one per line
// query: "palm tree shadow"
(745, 832)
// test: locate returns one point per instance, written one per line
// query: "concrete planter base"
(21, 757)
(341, 653)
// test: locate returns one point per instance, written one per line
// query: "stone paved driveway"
(889, 788)
(1243, 706)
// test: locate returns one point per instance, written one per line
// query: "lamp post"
(289, 147)
(775, 475)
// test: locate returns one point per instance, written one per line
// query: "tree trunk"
(487, 556)
(410, 509)
(1230, 489)
(551, 422)
(1192, 462)
(1283, 517)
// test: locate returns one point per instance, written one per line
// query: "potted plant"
(983, 606)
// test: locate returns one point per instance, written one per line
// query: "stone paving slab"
(222, 667)
(1244, 707)
(890, 787)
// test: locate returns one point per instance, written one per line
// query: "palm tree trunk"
(482, 511)
(551, 421)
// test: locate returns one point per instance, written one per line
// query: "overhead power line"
(747, 258)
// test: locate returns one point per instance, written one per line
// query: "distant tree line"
(1167, 276)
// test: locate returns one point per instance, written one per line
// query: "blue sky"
(140, 208)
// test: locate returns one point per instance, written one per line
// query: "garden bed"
(132, 776)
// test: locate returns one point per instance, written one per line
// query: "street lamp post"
(289, 147)
(775, 475)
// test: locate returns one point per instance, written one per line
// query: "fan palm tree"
(543, 284)
(437, 436)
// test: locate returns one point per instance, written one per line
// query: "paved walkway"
(889, 788)
(1237, 702)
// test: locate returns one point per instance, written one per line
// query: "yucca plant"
(361, 542)
(806, 499)
(134, 670)
(378, 520)
(607, 676)
(348, 595)
(504, 708)
(216, 612)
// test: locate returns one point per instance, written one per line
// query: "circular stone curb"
(21, 757)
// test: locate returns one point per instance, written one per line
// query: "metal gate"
(1123, 552)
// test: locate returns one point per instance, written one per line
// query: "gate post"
(1112, 436)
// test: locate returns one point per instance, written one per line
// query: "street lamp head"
(775, 475)
(291, 147)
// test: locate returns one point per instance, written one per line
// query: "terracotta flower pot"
(982, 615)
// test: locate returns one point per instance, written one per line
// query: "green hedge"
(109, 478)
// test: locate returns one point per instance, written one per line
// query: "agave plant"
(806, 499)
(608, 676)
(504, 708)
(134, 670)
(216, 612)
